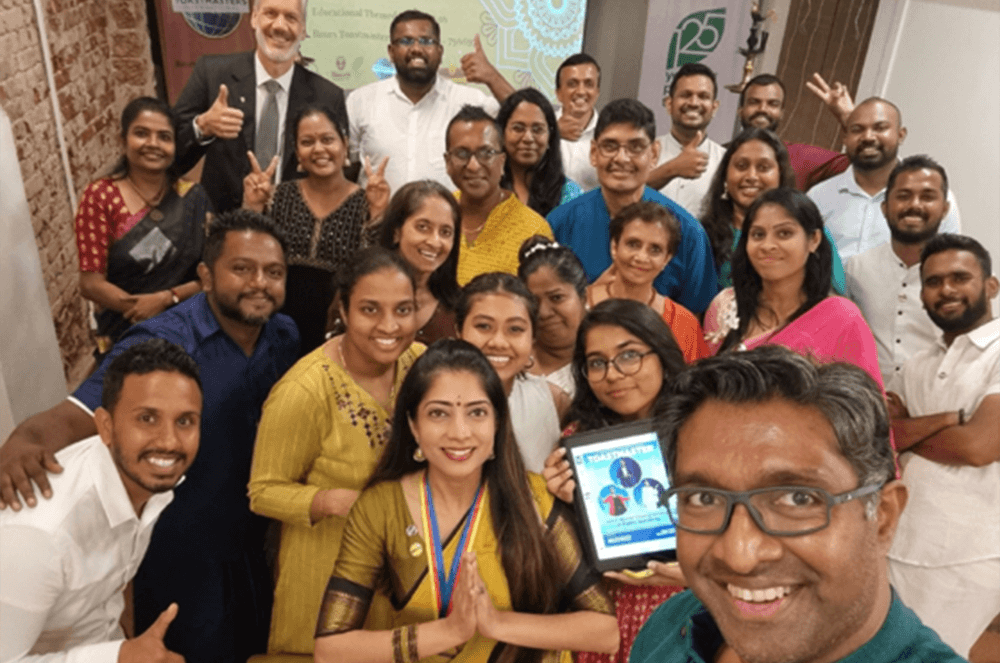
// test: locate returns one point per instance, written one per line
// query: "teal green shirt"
(837, 279)
(682, 631)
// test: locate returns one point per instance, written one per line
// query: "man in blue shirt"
(785, 504)
(206, 553)
(624, 151)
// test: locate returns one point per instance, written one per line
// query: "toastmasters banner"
(525, 39)
(706, 31)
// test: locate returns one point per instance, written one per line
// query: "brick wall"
(101, 60)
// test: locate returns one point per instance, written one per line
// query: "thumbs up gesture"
(149, 647)
(691, 162)
(258, 186)
(221, 121)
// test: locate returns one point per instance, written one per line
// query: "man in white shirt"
(66, 562)
(241, 102)
(688, 157)
(945, 406)
(404, 117)
(851, 203)
(885, 281)
(578, 85)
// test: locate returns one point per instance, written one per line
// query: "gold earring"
(419, 456)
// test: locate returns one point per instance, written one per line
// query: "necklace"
(387, 403)
(607, 289)
(154, 213)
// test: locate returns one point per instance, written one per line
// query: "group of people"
(375, 473)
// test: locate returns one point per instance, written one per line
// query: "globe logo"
(214, 26)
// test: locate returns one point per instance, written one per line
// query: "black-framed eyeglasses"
(406, 42)
(462, 156)
(627, 362)
(633, 148)
(778, 511)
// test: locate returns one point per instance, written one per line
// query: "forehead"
(771, 214)
(754, 149)
(473, 134)
(749, 445)
(315, 121)
(253, 245)
(647, 230)
(608, 339)
(455, 386)
(499, 305)
(694, 83)
(416, 28)
(577, 72)
(383, 285)
(152, 119)
(950, 262)
(922, 178)
(772, 91)
(527, 112)
(622, 131)
(160, 390)
(874, 112)
(288, 6)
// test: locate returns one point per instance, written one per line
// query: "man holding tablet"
(785, 506)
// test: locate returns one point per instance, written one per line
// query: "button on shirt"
(281, 96)
(855, 219)
(689, 194)
(384, 122)
(576, 155)
(888, 294)
(66, 562)
(953, 512)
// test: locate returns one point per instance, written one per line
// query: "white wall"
(939, 60)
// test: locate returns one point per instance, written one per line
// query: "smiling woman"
(322, 431)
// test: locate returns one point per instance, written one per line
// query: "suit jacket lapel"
(243, 95)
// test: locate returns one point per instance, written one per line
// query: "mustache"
(255, 293)
(163, 452)
(915, 212)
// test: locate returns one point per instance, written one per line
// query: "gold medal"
(416, 550)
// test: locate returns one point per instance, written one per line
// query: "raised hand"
(476, 66)
(570, 127)
(836, 97)
(462, 618)
(377, 191)
(149, 647)
(691, 162)
(258, 186)
(143, 307)
(221, 121)
(559, 476)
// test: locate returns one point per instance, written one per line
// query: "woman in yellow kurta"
(469, 548)
(324, 427)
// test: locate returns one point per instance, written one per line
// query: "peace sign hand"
(258, 186)
(377, 191)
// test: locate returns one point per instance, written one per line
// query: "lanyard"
(441, 585)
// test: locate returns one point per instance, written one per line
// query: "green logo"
(696, 36)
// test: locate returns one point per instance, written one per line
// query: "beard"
(417, 76)
(911, 237)
(286, 55)
(772, 123)
(965, 320)
(233, 312)
(874, 163)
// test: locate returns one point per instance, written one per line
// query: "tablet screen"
(621, 481)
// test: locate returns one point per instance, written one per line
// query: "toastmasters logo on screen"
(212, 18)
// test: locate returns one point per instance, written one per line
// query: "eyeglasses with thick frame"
(406, 42)
(626, 362)
(633, 148)
(462, 156)
(799, 517)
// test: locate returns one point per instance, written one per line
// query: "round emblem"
(416, 550)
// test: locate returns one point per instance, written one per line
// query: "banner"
(706, 31)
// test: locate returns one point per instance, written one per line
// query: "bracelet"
(411, 644)
(404, 644)
(174, 297)
(397, 645)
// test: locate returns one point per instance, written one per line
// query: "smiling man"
(65, 563)
(785, 505)
(945, 405)
(243, 102)
(206, 553)
(404, 117)
(578, 85)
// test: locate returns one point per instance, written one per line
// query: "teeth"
(458, 454)
(495, 359)
(162, 462)
(429, 255)
(758, 595)
(387, 342)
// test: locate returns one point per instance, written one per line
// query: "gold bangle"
(411, 655)
(397, 646)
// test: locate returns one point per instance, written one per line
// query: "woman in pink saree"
(781, 289)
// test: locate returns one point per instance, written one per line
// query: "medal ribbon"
(441, 585)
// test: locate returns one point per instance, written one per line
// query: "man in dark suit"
(244, 102)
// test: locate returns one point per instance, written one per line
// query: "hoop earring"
(531, 362)
(725, 192)
(419, 456)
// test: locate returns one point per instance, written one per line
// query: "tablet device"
(620, 475)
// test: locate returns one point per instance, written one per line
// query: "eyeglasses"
(461, 156)
(778, 511)
(633, 148)
(627, 362)
(406, 42)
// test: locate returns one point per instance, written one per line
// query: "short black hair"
(368, 261)
(415, 15)
(917, 162)
(470, 113)
(952, 242)
(695, 69)
(762, 80)
(155, 354)
(626, 111)
(237, 220)
(335, 116)
(539, 251)
(574, 60)
(495, 283)
(648, 212)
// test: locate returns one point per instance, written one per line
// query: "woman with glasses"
(781, 272)
(624, 363)
(534, 169)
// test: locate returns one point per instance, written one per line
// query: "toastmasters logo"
(212, 18)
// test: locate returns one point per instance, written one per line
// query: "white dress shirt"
(855, 219)
(576, 155)
(281, 96)
(690, 194)
(66, 562)
(953, 512)
(384, 122)
(888, 294)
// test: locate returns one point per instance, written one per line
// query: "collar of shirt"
(285, 80)
(436, 89)
(205, 322)
(850, 185)
(111, 491)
